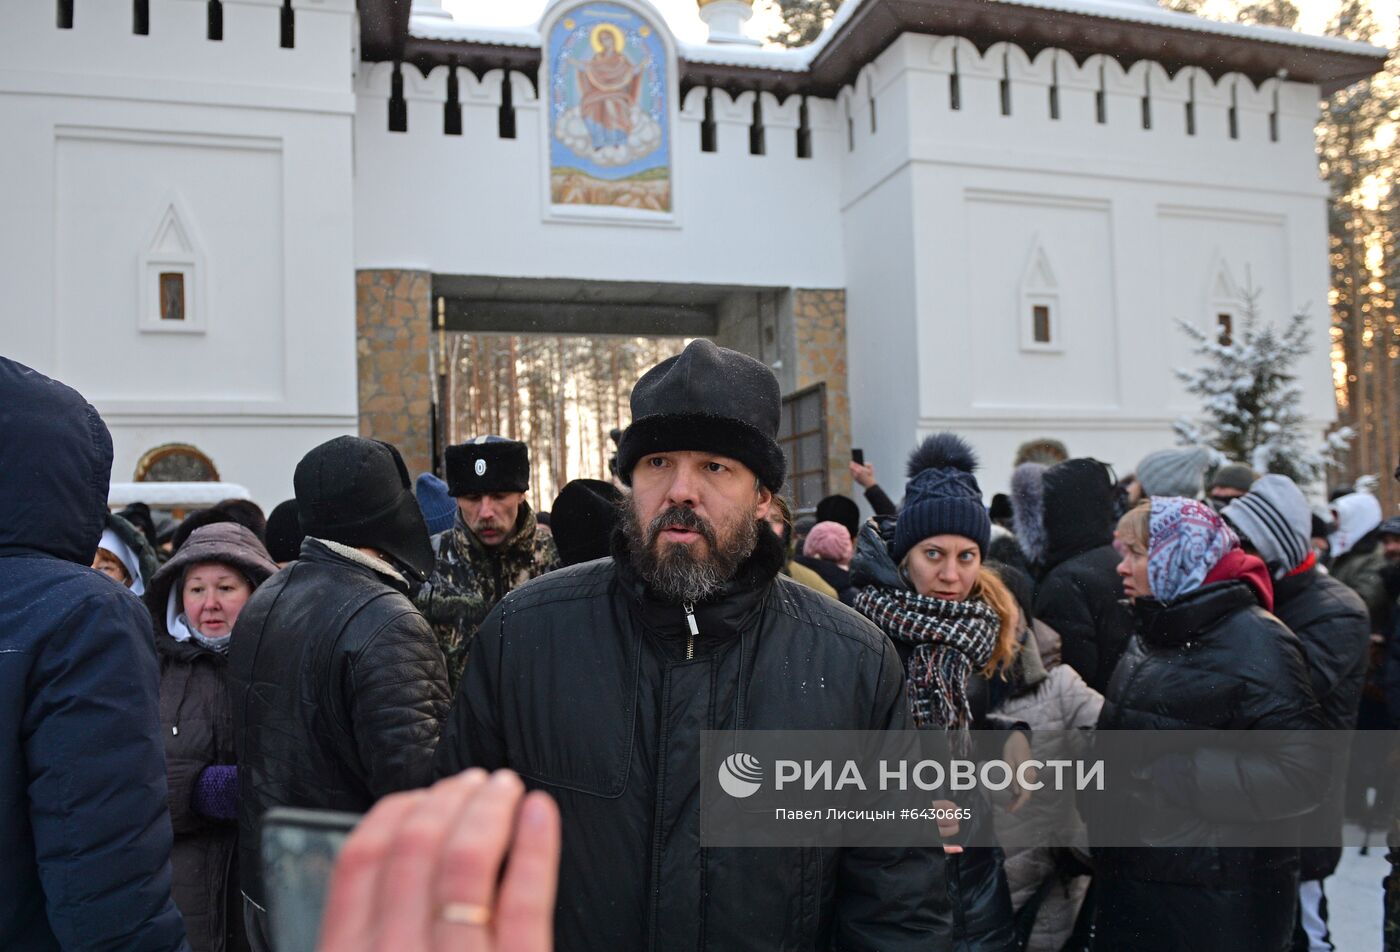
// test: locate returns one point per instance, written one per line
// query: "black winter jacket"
(84, 832)
(1212, 659)
(1082, 598)
(338, 690)
(1334, 628)
(580, 682)
(1079, 593)
(975, 881)
(832, 574)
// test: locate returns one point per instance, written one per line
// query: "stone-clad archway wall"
(393, 311)
(819, 344)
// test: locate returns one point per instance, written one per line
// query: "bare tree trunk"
(513, 393)
(476, 385)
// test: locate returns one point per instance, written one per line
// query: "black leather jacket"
(580, 682)
(338, 689)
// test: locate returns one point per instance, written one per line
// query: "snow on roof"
(497, 23)
(167, 494)
(1150, 13)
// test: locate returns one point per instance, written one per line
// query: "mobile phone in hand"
(858, 456)
(299, 848)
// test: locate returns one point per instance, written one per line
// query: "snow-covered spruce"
(1250, 400)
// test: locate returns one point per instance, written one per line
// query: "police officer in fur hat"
(494, 545)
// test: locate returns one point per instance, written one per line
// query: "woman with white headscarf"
(125, 556)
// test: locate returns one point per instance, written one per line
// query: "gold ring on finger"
(465, 914)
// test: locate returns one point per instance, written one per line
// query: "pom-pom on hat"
(942, 496)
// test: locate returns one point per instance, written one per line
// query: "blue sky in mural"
(641, 44)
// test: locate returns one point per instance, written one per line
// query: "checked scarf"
(951, 640)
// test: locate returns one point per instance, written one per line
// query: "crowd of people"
(429, 650)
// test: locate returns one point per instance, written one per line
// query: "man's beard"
(674, 571)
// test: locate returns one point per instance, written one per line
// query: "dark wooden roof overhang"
(875, 24)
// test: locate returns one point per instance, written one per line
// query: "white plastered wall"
(250, 145)
(1134, 221)
(473, 204)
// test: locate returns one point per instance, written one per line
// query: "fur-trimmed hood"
(1062, 510)
(1028, 510)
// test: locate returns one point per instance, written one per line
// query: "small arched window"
(1041, 320)
(176, 463)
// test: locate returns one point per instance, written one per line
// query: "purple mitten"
(216, 792)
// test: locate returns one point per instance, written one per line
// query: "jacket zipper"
(689, 608)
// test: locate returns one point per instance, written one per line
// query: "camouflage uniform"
(469, 579)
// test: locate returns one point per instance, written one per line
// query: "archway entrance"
(560, 395)
(552, 361)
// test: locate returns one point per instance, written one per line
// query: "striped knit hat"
(1275, 518)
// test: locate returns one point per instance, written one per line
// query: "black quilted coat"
(1211, 659)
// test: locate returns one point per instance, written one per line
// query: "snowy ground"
(1354, 898)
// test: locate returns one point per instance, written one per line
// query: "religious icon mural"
(609, 116)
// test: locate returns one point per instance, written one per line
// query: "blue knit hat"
(942, 496)
(439, 509)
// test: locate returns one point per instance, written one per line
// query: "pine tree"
(804, 20)
(1251, 400)
(1280, 13)
(1360, 163)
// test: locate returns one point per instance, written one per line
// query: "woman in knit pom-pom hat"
(948, 614)
(922, 580)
